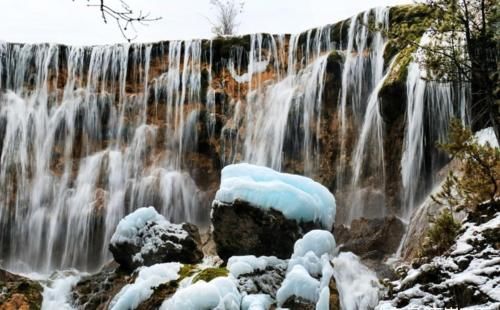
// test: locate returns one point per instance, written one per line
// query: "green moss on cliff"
(407, 25)
(392, 95)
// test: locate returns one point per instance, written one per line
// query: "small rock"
(145, 238)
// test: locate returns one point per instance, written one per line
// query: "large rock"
(242, 229)
(260, 211)
(373, 238)
(145, 238)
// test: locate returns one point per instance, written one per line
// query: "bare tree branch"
(123, 15)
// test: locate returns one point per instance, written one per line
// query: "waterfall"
(360, 88)
(430, 107)
(74, 162)
(89, 134)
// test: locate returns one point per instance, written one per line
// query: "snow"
(357, 285)
(131, 229)
(58, 293)
(297, 197)
(220, 293)
(256, 302)
(317, 241)
(310, 261)
(148, 278)
(239, 265)
(472, 263)
(486, 135)
(298, 283)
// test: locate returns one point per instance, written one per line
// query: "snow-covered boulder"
(145, 238)
(254, 203)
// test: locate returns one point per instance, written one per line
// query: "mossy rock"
(223, 47)
(210, 273)
(340, 32)
(407, 24)
(17, 292)
(392, 95)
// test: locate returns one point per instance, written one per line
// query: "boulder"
(371, 238)
(145, 238)
(242, 229)
(260, 211)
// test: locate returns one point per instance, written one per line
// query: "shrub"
(441, 235)
(479, 171)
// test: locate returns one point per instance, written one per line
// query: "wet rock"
(17, 292)
(242, 229)
(266, 281)
(145, 238)
(296, 303)
(96, 291)
(371, 238)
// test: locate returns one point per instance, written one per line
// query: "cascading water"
(360, 87)
(73, 163)
(430, 107)
(89, 134)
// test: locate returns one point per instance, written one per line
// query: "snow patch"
(148, 278)
(220, 293)
(256, 302)
(486, 135)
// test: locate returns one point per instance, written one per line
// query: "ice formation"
(297, 197)
(256, 302)
(239, 265)
(309, 270)
(148, 278)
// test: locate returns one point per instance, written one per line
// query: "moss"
(409, 23)
(187, 270)
(210, 273)
(392, 95)
(335, 56)
(223, 46)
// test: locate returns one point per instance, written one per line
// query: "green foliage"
(186, 271)
(479, 170)
(441, 235)
(408, 24)
(210, 273)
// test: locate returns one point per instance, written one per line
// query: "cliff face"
(91, 133)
